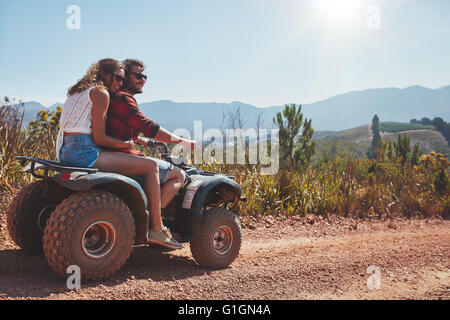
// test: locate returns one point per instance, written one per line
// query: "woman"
(82, 128)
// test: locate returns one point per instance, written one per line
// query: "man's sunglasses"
(139, 75)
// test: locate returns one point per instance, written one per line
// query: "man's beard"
(132, 89)
(136, 90)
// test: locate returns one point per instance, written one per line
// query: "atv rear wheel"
(219, 241)
(28, 214)
(93, 230)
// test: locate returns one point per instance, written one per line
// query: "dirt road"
(295, 258)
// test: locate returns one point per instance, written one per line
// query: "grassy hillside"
(355, 142)
(398, 127)
(428, 140)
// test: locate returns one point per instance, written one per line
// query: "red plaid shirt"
(125, 121)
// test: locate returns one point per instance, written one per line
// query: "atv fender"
(124, 187)
(205, 188)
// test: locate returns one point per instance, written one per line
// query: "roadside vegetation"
(397, 181)
(350, 187)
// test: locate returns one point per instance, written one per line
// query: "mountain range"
(336, 113)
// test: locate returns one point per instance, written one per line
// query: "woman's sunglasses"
(139, 75)
(119, 78)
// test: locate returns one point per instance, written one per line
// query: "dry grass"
(347, 187)
(340, 186)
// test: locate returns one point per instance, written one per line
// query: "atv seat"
(49, 165)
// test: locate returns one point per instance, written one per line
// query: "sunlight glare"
(339, 13)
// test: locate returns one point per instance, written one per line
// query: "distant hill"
(390, 104)
(349, 110)
(32, 108)
(355, 142)
(341, 112)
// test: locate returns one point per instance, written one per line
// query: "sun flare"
(339, 13)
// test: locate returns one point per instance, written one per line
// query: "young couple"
(101, 122)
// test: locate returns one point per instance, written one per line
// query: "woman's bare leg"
(170, 188)
(130, 165)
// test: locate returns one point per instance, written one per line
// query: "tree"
(376, 138)
(294, 151)
(305, 147)
(443, 127)
(403, 148)
(426, 121)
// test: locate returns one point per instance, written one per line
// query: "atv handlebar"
(154, 144)
(167, 156)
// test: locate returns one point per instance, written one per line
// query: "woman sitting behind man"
(82, 131)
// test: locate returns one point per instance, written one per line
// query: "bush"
(36, 141)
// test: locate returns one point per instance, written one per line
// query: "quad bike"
(91, 219)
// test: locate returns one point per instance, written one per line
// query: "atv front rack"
(48, 165)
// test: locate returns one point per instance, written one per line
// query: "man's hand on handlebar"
(187, 144)
(129, 144)
(143, 141)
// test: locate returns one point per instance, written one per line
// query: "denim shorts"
(79, 151)
(164, 170)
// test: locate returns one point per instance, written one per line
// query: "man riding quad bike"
(92, 219)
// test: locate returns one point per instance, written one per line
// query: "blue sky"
(261, 52)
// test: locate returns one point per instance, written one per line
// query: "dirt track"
(295, 258)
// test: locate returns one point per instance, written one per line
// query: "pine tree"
(289, 122)
(376, 138)
(305, 148)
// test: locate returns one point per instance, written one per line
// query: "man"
(126, 122)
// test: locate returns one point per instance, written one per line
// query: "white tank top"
(76, 116)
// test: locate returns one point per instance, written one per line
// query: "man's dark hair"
(129, 63)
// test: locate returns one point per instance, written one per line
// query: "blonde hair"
(95, 76)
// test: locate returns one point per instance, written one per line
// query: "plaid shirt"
(125, 121)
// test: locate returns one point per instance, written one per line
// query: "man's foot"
(164, 238)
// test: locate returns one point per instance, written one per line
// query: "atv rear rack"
(48, 165)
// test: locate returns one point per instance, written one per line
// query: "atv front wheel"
(219, 241)
(93, 230)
